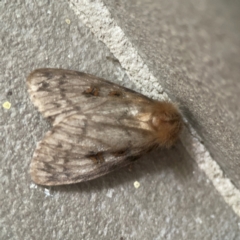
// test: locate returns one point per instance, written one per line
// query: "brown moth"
(98, 126)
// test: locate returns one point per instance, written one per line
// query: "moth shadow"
(175, 161)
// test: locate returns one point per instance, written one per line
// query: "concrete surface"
(175, 200)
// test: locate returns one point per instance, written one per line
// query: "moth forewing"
(98, 126)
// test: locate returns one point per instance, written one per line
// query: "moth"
(97, 126)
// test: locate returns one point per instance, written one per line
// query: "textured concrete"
(193, 48)
(174, 201)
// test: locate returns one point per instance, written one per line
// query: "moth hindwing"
(98, 126)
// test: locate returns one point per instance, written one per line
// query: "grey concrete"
(174, 200)
(193, 48)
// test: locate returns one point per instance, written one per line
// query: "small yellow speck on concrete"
(136, 184)
(68, 21)
(7, 105)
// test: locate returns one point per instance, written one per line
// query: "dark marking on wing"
(45, 85)
(132, 158)
(92, 91)
(121, 153)
(97, 158)
(115, 94)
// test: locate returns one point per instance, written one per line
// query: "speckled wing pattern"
(97, 126)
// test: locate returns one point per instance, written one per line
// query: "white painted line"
(97, 17)
(210, 167)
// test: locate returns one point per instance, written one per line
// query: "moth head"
(167, 123)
